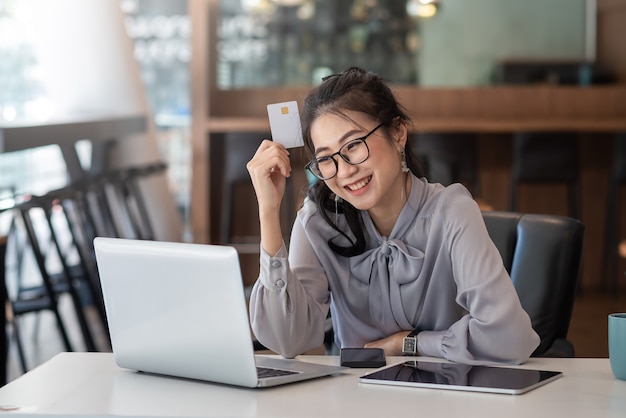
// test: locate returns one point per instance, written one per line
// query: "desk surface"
(90, 384)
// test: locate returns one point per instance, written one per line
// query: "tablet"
(454, 376)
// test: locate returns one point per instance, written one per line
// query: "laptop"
(179, 309)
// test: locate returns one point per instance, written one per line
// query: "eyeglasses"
(353, 152)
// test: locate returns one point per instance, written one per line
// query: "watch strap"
(415, 332)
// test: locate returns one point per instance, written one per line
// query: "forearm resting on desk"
(392, 345)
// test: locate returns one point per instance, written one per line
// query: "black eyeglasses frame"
(309, 165)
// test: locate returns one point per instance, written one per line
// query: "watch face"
(409, 345)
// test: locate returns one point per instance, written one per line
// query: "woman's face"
(375, 184)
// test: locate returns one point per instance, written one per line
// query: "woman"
(387, 252)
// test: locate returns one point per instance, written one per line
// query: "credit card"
(285, 124)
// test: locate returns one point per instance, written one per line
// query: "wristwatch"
(409, 344)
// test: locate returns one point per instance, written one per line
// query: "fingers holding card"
(285, 124)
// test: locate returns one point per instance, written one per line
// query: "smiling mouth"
(359, 184)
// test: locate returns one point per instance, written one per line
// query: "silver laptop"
(179, 309)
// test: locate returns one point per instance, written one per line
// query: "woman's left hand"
(392, 345)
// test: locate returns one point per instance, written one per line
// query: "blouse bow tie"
(393, 261)
(388, 276)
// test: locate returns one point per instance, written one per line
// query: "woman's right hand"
(269, 169)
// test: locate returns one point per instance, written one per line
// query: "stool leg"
(574, 199)
(513, 196)
(82, 242)
(18, 345)
(134, 191)
(104, 210)
(30, 231)
(611, 227)
(4, 343)
(124, 206)
(72, 283)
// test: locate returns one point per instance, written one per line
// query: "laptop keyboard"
(264, 372)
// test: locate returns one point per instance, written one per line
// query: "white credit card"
(285, 124)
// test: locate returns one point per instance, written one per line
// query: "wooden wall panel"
(253, 102)
(593, 102)
(200, 209)
(611, 33)
(516, 102)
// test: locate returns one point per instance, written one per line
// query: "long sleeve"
(288, 307)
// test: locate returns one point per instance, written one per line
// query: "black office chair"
(542, 254)
(546, 158)
(449, 158)
(611, 273)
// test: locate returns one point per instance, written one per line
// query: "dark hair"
(360, 91)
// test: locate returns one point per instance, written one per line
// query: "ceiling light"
(422, 8)
(288, 3)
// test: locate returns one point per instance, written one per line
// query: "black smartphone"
(363, 357)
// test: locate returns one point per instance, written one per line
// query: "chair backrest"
(542, 254)
(448, 157)
(545, 157)
(619, 155)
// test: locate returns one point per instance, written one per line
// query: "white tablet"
(454, 376)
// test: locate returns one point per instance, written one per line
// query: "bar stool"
(4, 340)
(134, 200)
(125, 201)
(78, 256)
(61, 244)
(546, 157)
(614, 213)
(95, 202)
(44, 296)
(449, 158)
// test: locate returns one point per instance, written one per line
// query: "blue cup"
(617, 344)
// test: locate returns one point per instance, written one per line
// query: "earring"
(337, 198)
(405, 167)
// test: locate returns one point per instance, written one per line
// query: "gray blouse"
(438, 271)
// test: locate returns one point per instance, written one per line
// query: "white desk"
(91, 385)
